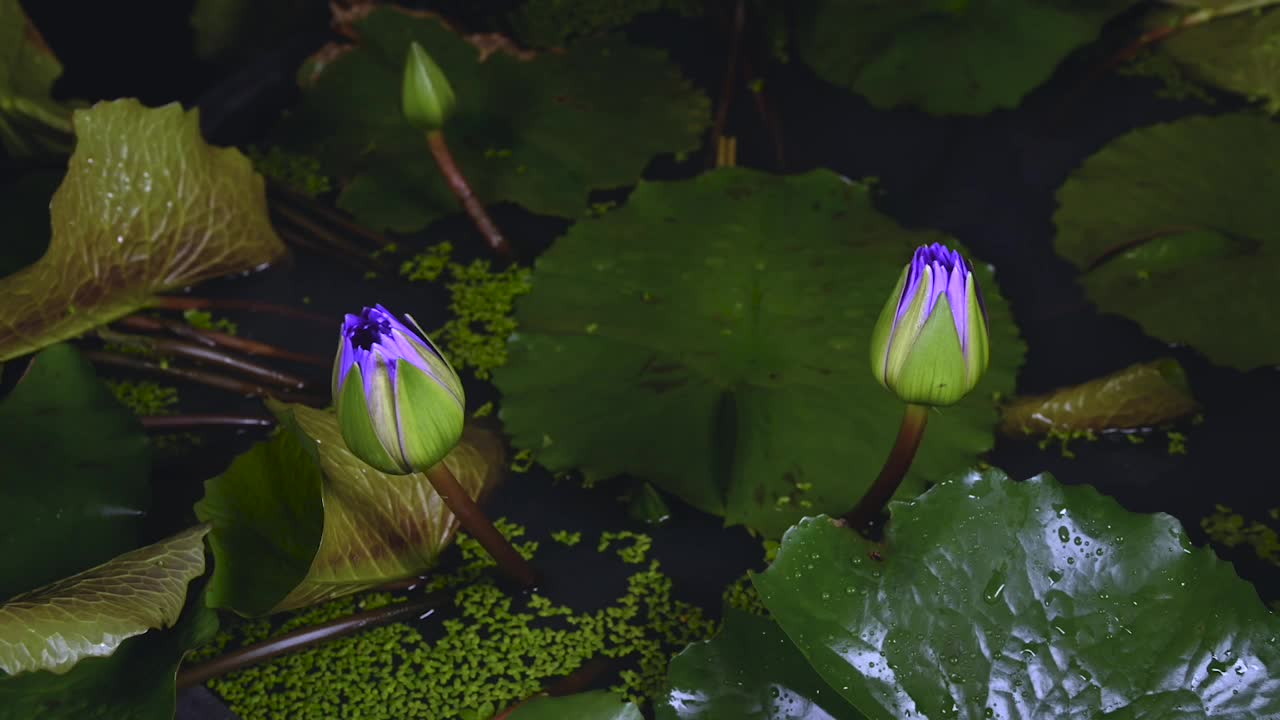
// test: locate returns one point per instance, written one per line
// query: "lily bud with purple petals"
(399, 403)
(930, 344)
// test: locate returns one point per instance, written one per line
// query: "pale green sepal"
(934, 371)
(978, 353)
(431, 418)
(358, 430)
(438, 363)
(908, 329)
(426, 97)
(882, 333)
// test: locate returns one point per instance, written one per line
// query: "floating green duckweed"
(564, 537)
(146, 397)
(294, 170)
(1177, 443)
(1230, 528)
(204, 320)
(634, 553)
(499, 649)
(741, 594)
(427, 266)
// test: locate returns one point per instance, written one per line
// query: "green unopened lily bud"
(930, 344)
(400, 405)
(426, 98)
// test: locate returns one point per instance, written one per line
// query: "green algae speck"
(146, 397)
(1229, 528)
(204, 320)
(294, 170)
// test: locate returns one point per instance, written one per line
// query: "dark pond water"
(988, 181)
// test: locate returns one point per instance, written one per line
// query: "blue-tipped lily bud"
(426, 98)
(930, 344)
(399, 403)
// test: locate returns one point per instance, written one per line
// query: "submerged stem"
(462, 190)
(895, 468)
(478, 526)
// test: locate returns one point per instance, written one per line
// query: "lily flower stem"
(200, 353)
(307, 637)
(462, 190)
(281, 194)
(188, 422)
(200, 377)
(478, 526)
(895, 468)
(215, 338)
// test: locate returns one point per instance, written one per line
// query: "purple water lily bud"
(400, 405)
(930, 345)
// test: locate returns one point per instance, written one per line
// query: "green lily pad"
(598, 705)
(945, 57)
(137, 682)
(711, 334)
(541, 131)
(553, 23)
(146, 206)
(76, 468)
(1239, 53)
(1174, 226)
(91, 613)
(31, 121)
(999, 599)
(750, 671)
(299, 519)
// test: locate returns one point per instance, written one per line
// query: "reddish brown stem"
(187, 422)
(333, 243)
(180, 348)
(731, 73)
(895, 468)
(197, 376)
(187, 302)
(284, 193)
(307, 637)
(215, 338)
(478, 526)
(462, 190)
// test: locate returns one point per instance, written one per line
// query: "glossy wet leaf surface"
(597, 705)
(135, 683)
(91, 613)
(299, 519)
(540, 132)
(75, 464)
(751, 671)
(945, 57)
(1239, 53)
(999, 599)
(711, 334)
(1175, 226)
(146, 206)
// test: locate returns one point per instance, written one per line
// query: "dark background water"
(989, 181)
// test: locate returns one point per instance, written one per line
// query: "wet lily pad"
(750, 671)
(712, 334)
(999, 599)
(146, 206)
(89, 614)
(945, 57)
(598, 705)
(1239, 53)
(76, 473)
(1175, 226)
(541, 131)
(299, 519)
(31, 121)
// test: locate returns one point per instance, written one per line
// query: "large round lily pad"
(713, 335)
(541, 131)
(1007, 600)
(1176, 226)
(963, 56)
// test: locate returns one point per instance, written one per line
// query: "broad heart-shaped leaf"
(750, 671)
(999, 599)
(713, 334)
(146, 206)
(74, 473)
(135, 683)
(1239, 53)
(91, 613)
(1175, 226)
(299, 519)
(945, 57)
(30, 120)
(597, 705)
(540, 132)
(379, 527)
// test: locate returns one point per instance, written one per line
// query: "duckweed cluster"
(294, 170)
(1231, 529)
(741, 594)
(481, 303)
(205, 320)
(632, 554)
(146, 397)
(497, 650)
